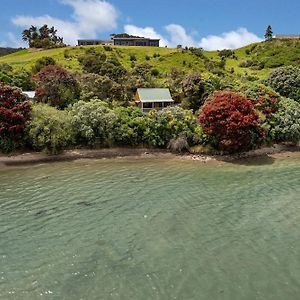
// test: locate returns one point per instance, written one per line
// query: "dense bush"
(43, 62)
(193, 89)
(231, 122)
(286, 81)
(266, 102)
(56, 87)
(131, 126)
(169, 124)
(14, 113)
(287, 122)
(101, 87)
(93, 122)
(50, 129)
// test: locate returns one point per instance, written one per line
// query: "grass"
(271, 54)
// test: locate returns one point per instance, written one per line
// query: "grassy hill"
(255, 60)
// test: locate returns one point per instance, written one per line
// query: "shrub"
(231, 122)
(287, 120)
(93, 122)
(14, 113)
(132, 57)
(50, 130)
(107, 48)
(193, 91)
(44, 61)
(56, 87)
(154, 72)
(131, 125)
(101, 87)
(147, 57)
(170, 123)
(286, 81)
(178, 145)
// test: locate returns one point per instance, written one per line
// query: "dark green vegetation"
(43, 37)
(84, 96)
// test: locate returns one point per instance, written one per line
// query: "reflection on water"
(150, 229)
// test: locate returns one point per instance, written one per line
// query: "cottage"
(156, 98)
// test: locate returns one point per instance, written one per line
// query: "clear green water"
(150, 229)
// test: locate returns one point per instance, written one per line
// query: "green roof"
(154, 95)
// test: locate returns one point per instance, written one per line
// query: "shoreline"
(31, 158)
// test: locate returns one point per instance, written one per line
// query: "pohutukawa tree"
(231, 122)
(56, 87)
(14, 112)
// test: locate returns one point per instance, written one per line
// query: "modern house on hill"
(94, 42)
(156, 98)
(122, 39)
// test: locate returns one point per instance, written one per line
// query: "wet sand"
(276, 151)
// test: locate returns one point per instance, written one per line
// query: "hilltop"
(253, 60)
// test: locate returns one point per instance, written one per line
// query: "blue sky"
(211, 24)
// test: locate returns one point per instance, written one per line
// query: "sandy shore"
(276, 151)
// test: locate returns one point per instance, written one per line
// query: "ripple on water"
(150, 229)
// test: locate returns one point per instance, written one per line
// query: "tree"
(14, 113)
(93, 122)
(193, 91)
(42, 62)
(56, 87)
(231, 122)
(49, 129)
(286, 81)
(43, 37)
(287, 122)
(269, 33)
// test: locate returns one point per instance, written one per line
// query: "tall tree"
(269, 33)
(44, 37)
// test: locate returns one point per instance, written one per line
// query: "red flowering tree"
(14, 112)
(56, 87)
(231, 122)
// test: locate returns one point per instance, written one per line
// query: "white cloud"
(89, 18)
(148, 32)
(229, 40)
(179, 36)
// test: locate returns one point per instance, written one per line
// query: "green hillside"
(256, 59)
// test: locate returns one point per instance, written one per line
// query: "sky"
(210, 24)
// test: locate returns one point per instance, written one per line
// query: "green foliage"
(107, 48)
(286, 81)
(93, 122)
(226, 53)
(197, 52)
(42, 62)
(131, 126)
(43, 37)
(269, 33)
(132, 57)
(170, 123)
(193, 89)
(101, 87)
(287, 120)
(49, 129)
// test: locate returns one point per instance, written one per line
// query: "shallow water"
(150, 229)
